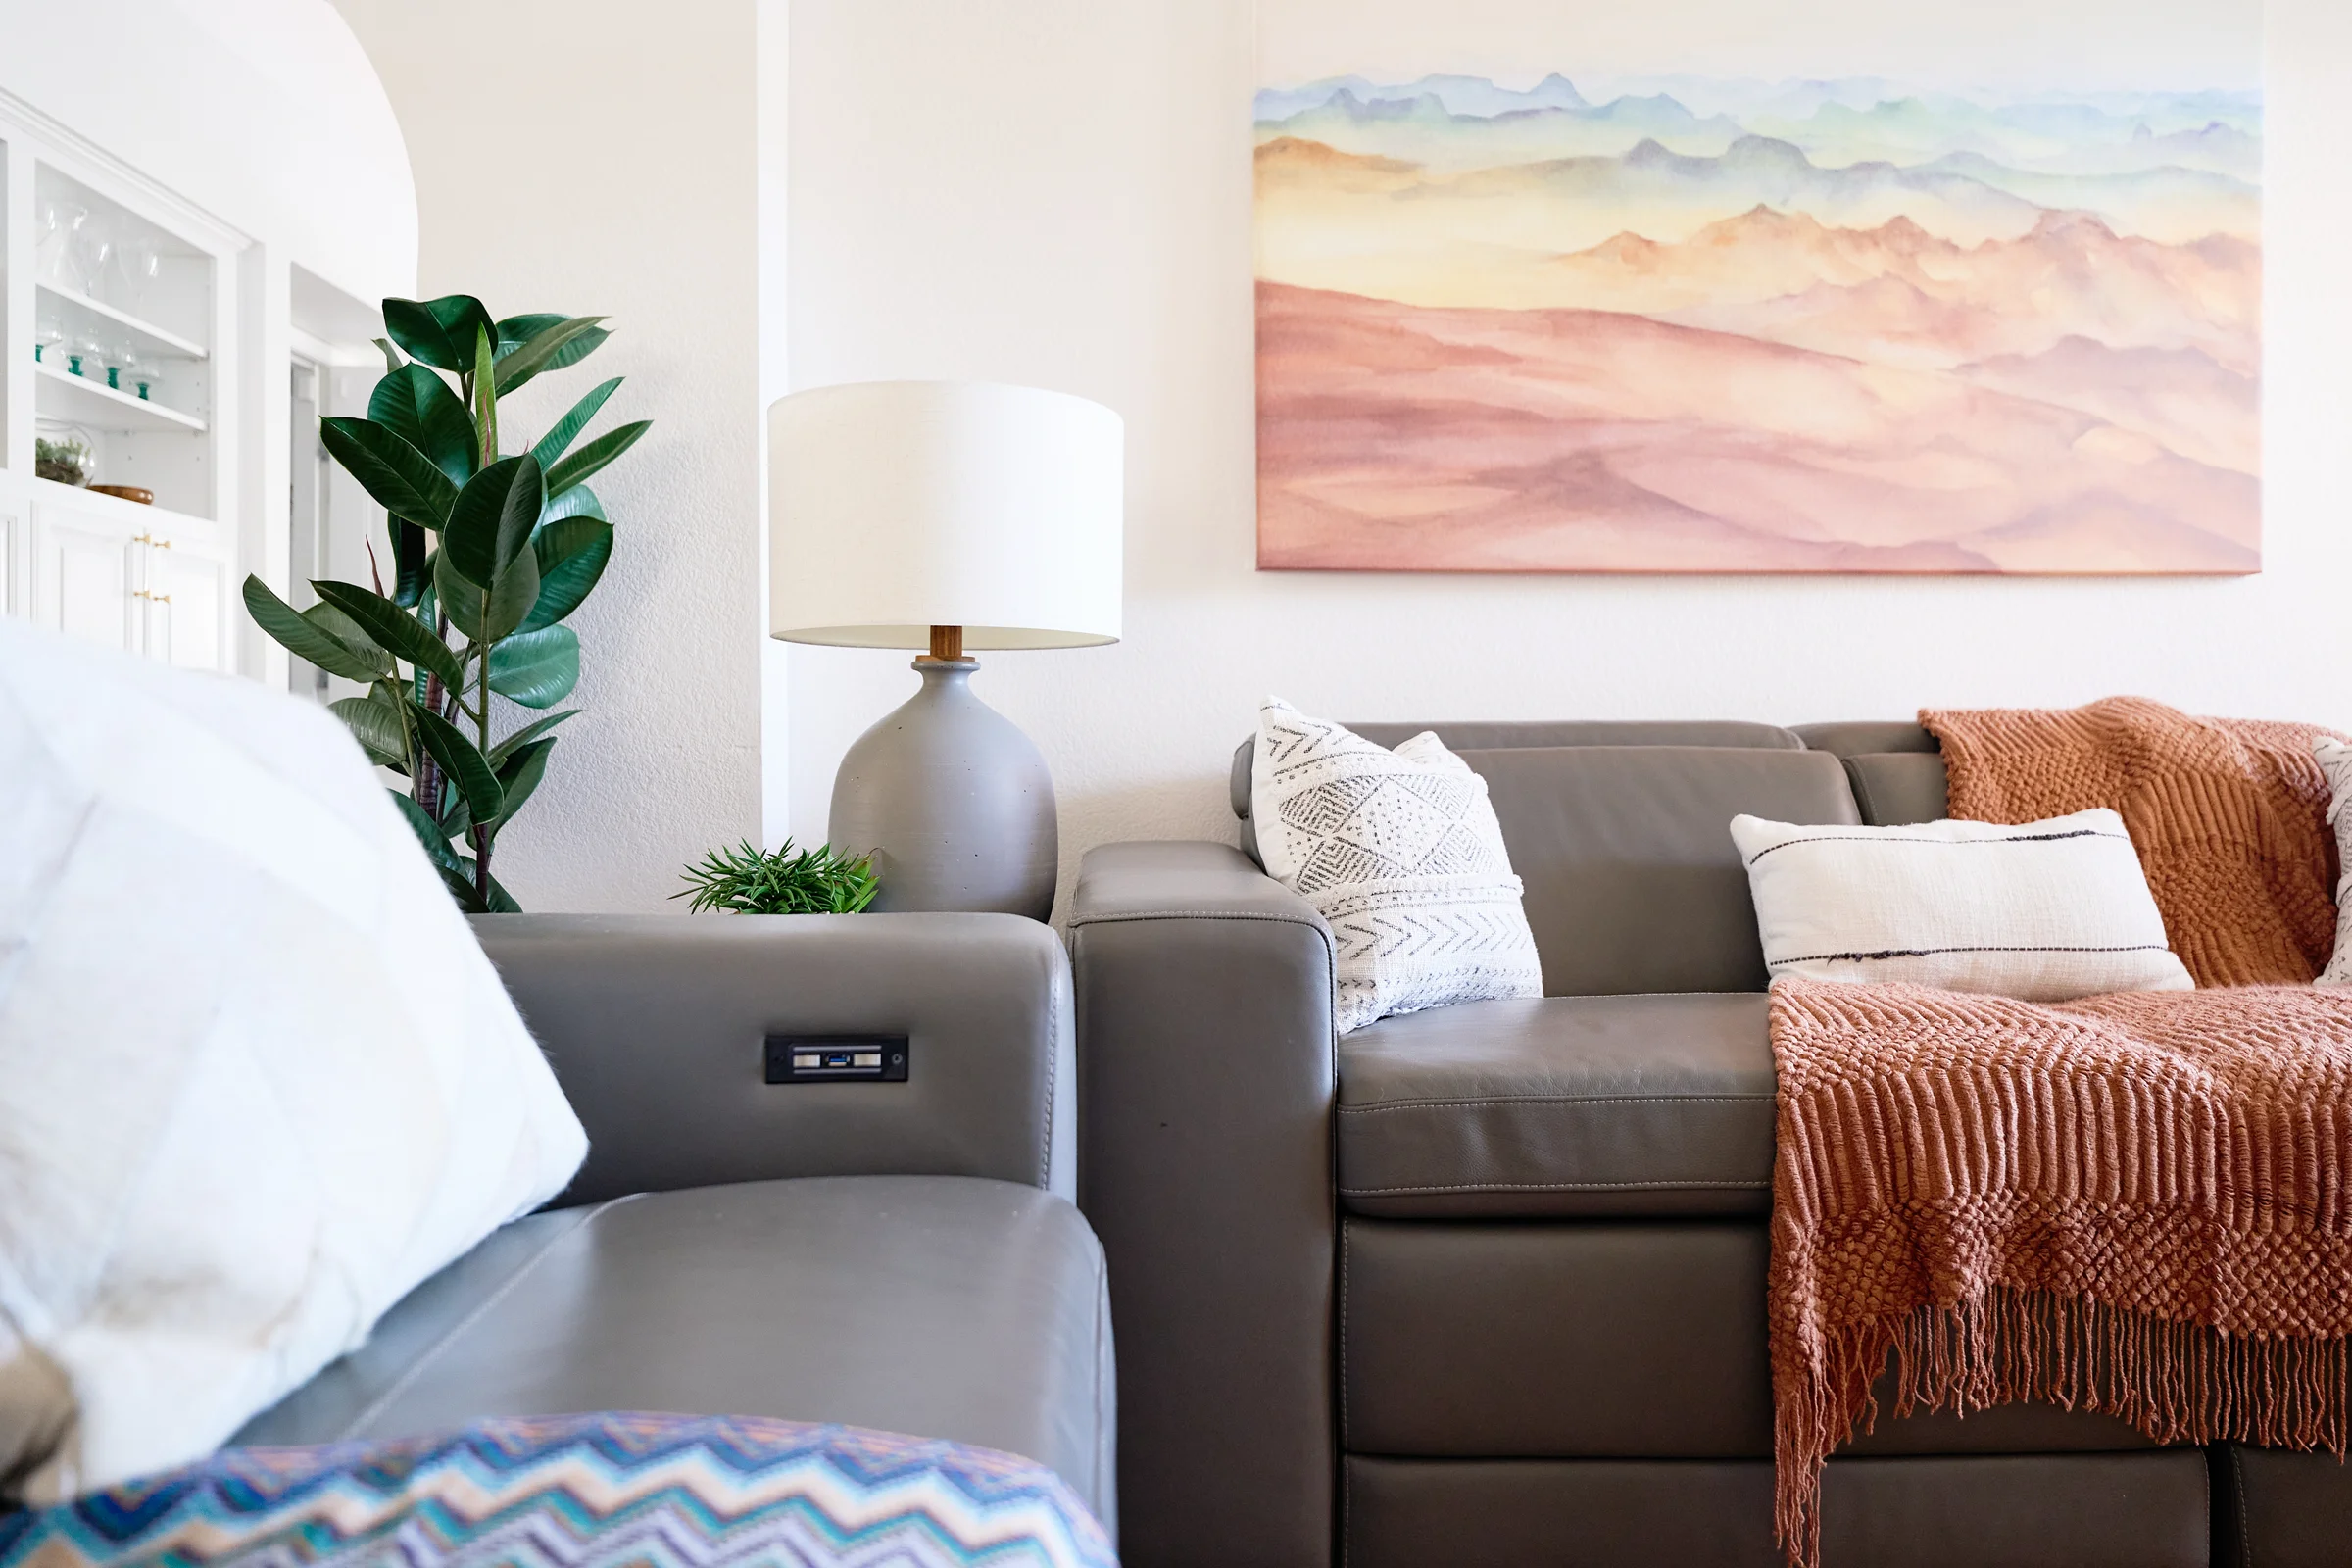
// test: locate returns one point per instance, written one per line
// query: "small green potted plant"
(746, 880)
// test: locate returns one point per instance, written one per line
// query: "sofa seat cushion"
(936, 1305)
(1560, 1105)
(2284, 1510)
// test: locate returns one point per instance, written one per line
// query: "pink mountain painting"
(1822, 326)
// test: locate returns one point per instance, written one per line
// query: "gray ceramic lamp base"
(954, 801)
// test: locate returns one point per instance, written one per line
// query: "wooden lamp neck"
(947, 644)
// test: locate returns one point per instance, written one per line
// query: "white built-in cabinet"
(120, 333)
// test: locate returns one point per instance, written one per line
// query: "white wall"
(1057, 192)
(593, 155)
(263, 112)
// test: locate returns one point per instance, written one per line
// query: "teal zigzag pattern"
(584, 1492)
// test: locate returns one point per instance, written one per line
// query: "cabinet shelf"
(159, 521)
(79, 400)
(155, 339)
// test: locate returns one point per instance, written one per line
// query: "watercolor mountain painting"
(1726, 326)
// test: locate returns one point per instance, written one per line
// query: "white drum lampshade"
(901, 505)
(946, 516)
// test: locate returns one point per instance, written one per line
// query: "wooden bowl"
(128, 492)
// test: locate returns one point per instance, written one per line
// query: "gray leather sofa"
(900, 1255)
(1485, 1284)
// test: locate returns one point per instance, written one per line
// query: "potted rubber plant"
(460, 639)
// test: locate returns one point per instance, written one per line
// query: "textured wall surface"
(591, 156)
(1057, 192)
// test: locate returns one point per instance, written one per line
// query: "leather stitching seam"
(408, 1379)
(1106, 1422)
(1312, 923)
(1044, 1152)
(2246, 1525)
(1343, 1335)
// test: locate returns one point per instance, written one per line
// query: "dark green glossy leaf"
(404, 480)
(568, 429)
(536, 668)
(374, 722)
(393, 629)
(428, 833)
(302, 638)
(571, 557)
(466, 766)
(343, 629)
(516, 330)
(460, 889)
(594, 456)
(522, 774)
(411, 582)
(459, 601)
(539, 351)
(492, 521)
(528, 734)
(499, 901)
(418, 406)
(457, 821)
(441, 332)
(511, 599)
(485, 394)
(578, 502)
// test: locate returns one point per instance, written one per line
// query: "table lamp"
(951, 517)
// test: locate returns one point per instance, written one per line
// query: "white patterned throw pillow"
(1401, 853)
(2336, 760)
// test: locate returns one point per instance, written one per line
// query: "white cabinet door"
(187, 616)
(83, 577)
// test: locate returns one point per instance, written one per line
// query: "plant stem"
(428, 772)
(481, 833)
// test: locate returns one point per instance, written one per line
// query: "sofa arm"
(1206, 1078)
(657, 1026)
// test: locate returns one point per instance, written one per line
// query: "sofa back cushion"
(1896, 767)
(1492, 737)
(1633, 882)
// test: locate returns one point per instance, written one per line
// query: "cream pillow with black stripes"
(2044, 911)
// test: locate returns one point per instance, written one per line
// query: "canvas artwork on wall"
(1575, 322)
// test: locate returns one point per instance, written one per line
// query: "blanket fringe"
(2175, 1382)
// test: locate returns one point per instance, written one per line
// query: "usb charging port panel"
(837, 1058)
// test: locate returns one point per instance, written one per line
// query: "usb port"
(836, 1058)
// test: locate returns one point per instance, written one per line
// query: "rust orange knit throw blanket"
(2228, 815)
(2138, 1203)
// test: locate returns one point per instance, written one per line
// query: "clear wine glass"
(85, 356)
(59, 244)
(48, 344)
(140, 261)
(93, 252)
(136, 369)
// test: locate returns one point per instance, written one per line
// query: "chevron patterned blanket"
(584, 1492)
